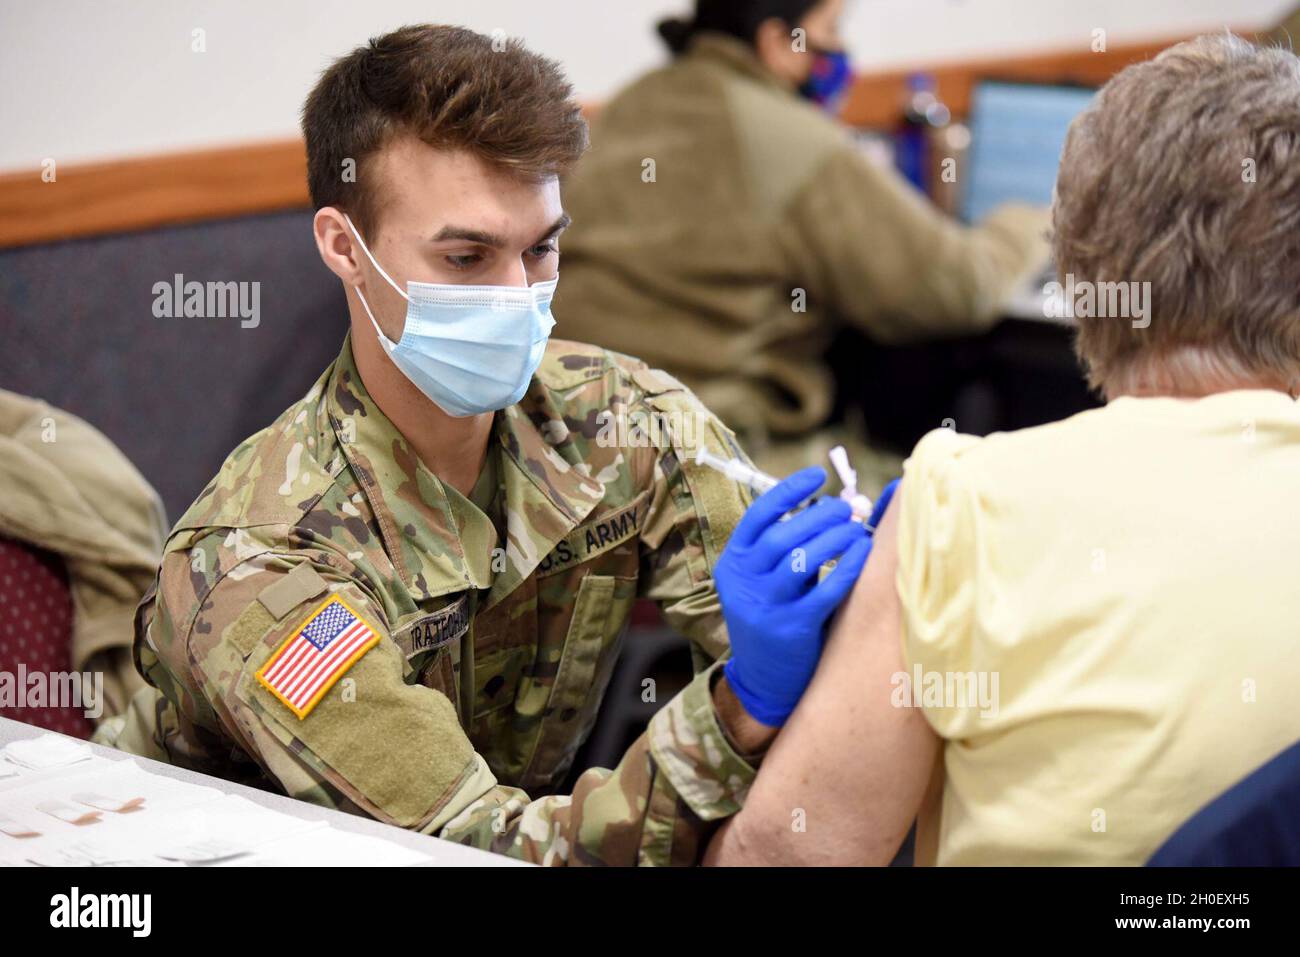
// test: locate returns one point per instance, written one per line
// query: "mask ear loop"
(388, 344)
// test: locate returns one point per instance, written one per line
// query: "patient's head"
(1185, 174)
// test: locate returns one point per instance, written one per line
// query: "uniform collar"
(437, 539)
(735, 55)
(549, 490)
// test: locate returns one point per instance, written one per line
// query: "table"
(441, 853)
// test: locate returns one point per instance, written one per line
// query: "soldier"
(724, 225)
(404, 598)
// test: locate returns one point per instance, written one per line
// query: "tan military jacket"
(70, 490)
(722, 225)
(491, 653)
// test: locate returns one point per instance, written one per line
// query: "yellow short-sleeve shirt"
(1101, 620)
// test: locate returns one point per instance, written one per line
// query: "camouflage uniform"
(493, 654)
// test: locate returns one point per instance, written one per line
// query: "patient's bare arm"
(845, 777)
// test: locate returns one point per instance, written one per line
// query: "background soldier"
(726, 227)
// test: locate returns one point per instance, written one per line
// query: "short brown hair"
(451, 87)
(1185, 173)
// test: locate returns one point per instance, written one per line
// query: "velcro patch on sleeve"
(300, 585)
(317, 655)
(656, 381)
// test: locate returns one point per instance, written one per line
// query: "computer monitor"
(1017, 133)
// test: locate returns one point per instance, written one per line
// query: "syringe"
(760, 482)
(736, 470)
(860, 504)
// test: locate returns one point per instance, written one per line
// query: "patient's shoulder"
(1043, 456)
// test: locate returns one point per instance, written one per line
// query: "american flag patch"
(316, 655)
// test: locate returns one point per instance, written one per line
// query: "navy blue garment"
(1254, 823)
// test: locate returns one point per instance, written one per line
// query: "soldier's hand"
(775, 608)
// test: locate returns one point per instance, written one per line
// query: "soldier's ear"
(338, 248)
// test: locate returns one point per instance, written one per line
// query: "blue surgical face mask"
(470, 349)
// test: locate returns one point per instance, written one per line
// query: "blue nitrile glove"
(775, 609)
(882, 503)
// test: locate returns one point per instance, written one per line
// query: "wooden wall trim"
(130, 194)
(876, 100)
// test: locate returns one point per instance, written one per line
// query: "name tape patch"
(440, 628)
(587, 541)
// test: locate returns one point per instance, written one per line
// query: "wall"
(91, 79)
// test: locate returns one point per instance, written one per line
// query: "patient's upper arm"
(849, 766)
